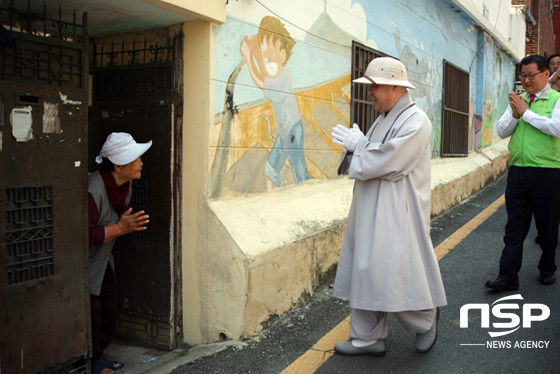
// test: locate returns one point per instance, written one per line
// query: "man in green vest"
(533, 184)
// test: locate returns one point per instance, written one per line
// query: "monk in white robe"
(387, 262)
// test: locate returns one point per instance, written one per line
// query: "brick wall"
(545, 32)
(556, 24)
(540, 38)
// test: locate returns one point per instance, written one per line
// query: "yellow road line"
(321, 351)
(311, 360)
(458, 236)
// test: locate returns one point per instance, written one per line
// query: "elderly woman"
(110, 216)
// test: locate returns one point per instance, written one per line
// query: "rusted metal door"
(142, 260)
(44, 297)
(138, 98)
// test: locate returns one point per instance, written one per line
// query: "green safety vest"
(530, 147)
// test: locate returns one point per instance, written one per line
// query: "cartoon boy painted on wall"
(266, 55)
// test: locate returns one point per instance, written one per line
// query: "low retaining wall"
(275, 247)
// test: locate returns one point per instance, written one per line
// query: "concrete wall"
(198, 70)
(498, 19)
(208, 10)
(455, 179)
(280, 245)
(253, 248)
(422, 34)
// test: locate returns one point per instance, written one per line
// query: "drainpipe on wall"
(528, 16)
(479, 97)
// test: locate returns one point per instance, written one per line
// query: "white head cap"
(385, 71)
(121, 149)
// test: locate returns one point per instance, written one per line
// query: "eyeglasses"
(529, 76)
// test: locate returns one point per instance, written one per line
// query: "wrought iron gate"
(134, 90)
(44, 297)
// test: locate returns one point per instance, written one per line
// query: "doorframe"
(171, 52)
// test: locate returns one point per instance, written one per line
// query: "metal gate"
(44, 297)
(134, 90)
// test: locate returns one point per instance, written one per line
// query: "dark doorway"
(135, 91)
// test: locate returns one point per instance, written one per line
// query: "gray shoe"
(426, 340)
(376, 349)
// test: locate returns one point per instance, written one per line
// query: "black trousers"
(104, 315)
(530, 192)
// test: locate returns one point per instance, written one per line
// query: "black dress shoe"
(547, 278)
(502, 285)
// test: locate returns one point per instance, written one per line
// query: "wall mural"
(282, 81)
(266, 55)
(425, 76)
(289, 93)
(497, 71)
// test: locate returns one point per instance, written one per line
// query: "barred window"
(362, 110)
(455, 126)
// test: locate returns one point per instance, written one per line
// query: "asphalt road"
(465, 269)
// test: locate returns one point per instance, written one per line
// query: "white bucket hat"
(121, 149)
(385, 71)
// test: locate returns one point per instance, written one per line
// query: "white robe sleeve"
(398, 156)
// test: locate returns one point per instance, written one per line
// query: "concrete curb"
(163, 362)
(455, 179)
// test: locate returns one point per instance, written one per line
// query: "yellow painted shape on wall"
(256, 125)
(254, 129)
